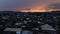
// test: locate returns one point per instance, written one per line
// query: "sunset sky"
(17, 5)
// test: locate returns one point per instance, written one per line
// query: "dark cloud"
(55, 6)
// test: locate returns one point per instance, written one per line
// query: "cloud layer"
(55, 6)
(16, 5)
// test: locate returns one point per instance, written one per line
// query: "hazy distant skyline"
(16, 5)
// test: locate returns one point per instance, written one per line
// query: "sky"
(17, 5)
